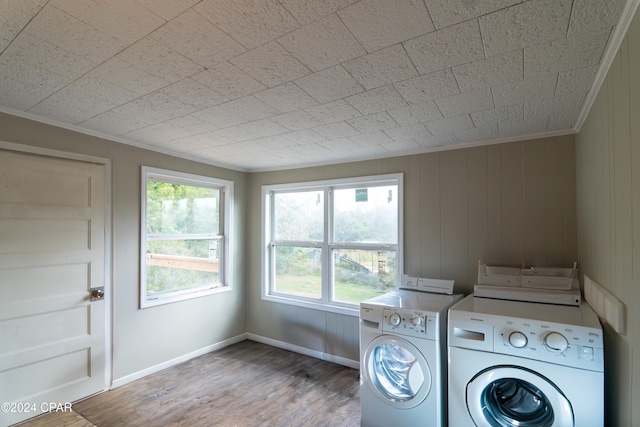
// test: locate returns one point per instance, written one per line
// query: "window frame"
(225, 188)
(327, 245)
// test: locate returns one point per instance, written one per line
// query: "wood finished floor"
(245, 384)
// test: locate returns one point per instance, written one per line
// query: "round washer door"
(396, 371)
(509, 396)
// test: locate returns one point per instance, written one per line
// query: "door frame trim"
(108, 267)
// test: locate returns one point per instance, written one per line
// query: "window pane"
(182, 209)
(299, 216)
(298, 271)
(175, 265)
(366, 215)
(362, 274)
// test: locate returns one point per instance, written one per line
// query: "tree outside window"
(184, 238)
(332, 243)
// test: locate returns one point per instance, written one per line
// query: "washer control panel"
(415, 323)
(563, 344)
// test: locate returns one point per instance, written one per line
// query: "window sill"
(184, 296)
(331, 308)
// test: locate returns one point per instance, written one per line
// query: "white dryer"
(524, 364)
(403, 359)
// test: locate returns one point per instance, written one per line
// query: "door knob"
(97, 294)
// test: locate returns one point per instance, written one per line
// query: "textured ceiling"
(272, 84)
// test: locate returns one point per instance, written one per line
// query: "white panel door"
(52, 253)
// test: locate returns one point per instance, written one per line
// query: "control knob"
(394, 319)
(518, 339)
(556, 342)
(416, 320)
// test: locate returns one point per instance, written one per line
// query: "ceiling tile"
(83, 99)
(450, 124)
(341, 146)
(333, 112)
(416, 113)
(250, 22)
(159, 133)
(303, 136)
(71, 34)
(159, 60)
(198, 39)
(181, 98)
(250, 108)
(123, 20)
(335, 130)
(307, 11)
(296, 120)
(376, 100)
(24, 94)
(322, 44)
(373, 138)
(449, 12)
(373, 122)
(577, 81)
(402, 146)
(565, 54)
(228, 80)
(286, 97)
(467, 102)
(524, 128)
(451, 46)
(252, 130)
(168, 9)
(381, 23)
(28, 54)
(207, 140)
(219, 117)
(270, 64)
(428, 87)
(485, 133)
(524, 24)
(114, 123)
(417, 132)
(14, 16)
(379, 68)
(498, 116)
(311, 150)
(498, 69)
(329, 85)
(128, 76)
(592, 15)
(534, 89)
(142, 111)
(187, 145)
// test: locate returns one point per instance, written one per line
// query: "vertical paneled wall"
(510, 203)
(608, 200)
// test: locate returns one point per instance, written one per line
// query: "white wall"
(608, 197)
(509, 204)
(143, 339)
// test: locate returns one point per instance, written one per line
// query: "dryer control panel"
(414, 323)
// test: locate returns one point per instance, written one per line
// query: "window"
(332, 244)
(185, 236)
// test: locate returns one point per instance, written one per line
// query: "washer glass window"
(513, 402)
(397, 372)
(513, 396)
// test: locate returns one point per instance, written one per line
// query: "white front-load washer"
(403, 359)
(524, 364)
